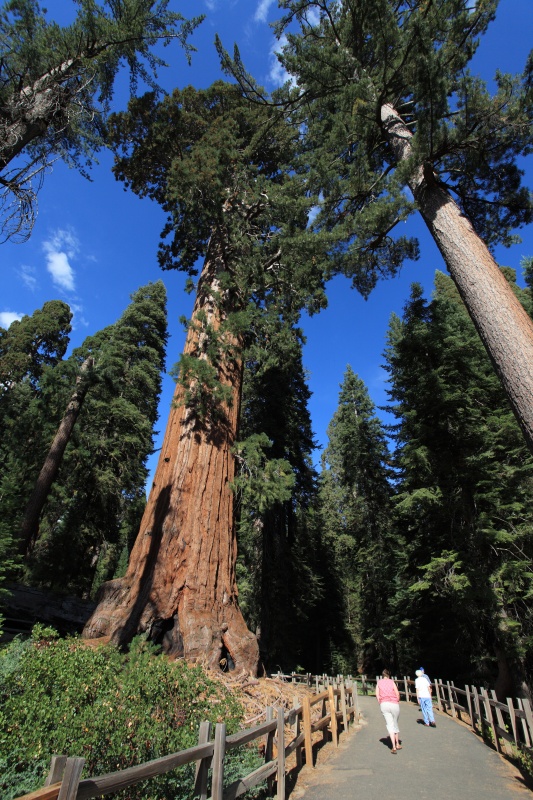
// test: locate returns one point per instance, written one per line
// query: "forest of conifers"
(413, 542)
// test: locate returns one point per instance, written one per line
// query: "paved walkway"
(444, 763)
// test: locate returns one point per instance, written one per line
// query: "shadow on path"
(444, 763)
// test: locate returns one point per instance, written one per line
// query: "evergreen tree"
(98, 497)
(385, 104)
(355, 508)
(280, 586)
(56, 85)
(465, 479)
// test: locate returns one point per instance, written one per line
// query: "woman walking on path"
(388, 697)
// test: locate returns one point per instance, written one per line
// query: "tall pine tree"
(465, 478)
(279, 583)
(96, 501)
(392, 121)
(355, 508)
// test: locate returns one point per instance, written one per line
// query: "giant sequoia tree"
(393, 121)
(216, 165)
(56, 84)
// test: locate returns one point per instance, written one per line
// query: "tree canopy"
(56, 86)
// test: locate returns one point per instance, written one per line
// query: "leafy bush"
(116, 710)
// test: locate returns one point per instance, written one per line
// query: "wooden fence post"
(469, 704)
(269, 748)
(71, 778)
(307, 732)
(217, 783)
(333, 714)
(501, 723)
(529, 715)
(525, 731)
(451, 699)
(490, 719)
(323, 714)
(202, 766)
(57, 768)
(280, 794)
(406, 687)
(479, 709)
(439, 688)
(296, 733)
(512, 717)
(356, 700)
(345, 721)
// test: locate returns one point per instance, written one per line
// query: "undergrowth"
(58, 696)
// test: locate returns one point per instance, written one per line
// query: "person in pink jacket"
(388, 697)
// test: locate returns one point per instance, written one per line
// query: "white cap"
(418, 673)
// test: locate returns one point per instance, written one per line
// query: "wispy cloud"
(261, 12)
(277, 74)
(79, 319)
(7, 317)
(28, 275)
(60, 249)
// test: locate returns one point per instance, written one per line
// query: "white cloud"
(60, 249)
(7, 317)
(28, 276)
(261, 12)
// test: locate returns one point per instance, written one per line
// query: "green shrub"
(116, 710)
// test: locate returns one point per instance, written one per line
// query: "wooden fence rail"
(338, 708)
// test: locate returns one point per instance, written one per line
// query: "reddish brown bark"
(29, 530)
(180, 586)
(502, 323)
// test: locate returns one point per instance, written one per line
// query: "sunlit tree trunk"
(501, 321)
(29, 529)
(180, 587)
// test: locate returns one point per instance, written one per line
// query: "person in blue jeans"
(423, 695)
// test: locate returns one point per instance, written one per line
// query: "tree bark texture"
(180, 586)
(28, 114)
(29, 530)
(501, 321)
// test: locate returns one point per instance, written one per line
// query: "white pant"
(391, 712)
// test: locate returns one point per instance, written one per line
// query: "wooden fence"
(493, 720)
(336, 704)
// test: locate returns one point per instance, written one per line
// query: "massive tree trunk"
(180, 586)
(29, 530)
(502, 323)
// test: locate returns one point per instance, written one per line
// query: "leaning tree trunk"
(502, 323)
(180, 586)
(29, 530)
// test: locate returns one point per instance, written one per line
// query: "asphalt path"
(448, 762)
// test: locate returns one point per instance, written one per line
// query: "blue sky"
(94, 244)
